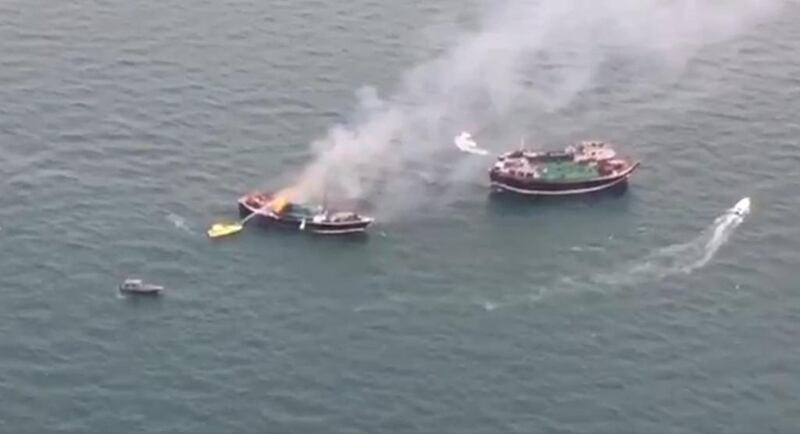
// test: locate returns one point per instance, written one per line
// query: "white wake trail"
(675, 259)
(178, 221)
(657, 265)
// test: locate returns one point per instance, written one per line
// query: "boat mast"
(325, 192)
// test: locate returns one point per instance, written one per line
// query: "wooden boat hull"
(530, 187)
(269, 219)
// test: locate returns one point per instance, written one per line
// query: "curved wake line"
(657, 265)
(677, 258)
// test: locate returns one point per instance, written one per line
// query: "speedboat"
(742, 208)
(136, 286)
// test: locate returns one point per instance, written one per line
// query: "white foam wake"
(677, 258)
(657, 265)
(465, 143)
(178, 221)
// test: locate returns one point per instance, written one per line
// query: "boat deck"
(299, 211)
(565, 171)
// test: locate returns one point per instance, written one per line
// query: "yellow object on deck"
(223, 229)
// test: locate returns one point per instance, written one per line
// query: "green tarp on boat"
(567, 171)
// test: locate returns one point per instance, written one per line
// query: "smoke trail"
(537, 54)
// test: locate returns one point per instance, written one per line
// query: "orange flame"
(279, 203)
(281, 200)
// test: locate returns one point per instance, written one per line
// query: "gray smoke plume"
(526, 53)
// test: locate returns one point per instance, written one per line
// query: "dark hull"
(532, 187)
(144, 292)
(271, 220)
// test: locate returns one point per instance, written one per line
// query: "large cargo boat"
(278, 211)
(590, 166)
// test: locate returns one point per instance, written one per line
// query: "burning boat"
(590, 166)
(278, 211)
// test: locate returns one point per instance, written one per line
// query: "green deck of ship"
(567, 172)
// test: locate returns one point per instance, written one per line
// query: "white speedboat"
(136, 286)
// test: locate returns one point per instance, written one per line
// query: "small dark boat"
(584, 168)
(277, 211)
(136, 286)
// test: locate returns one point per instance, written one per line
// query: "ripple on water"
(127, 128)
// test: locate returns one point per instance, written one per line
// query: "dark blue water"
(127, 128)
